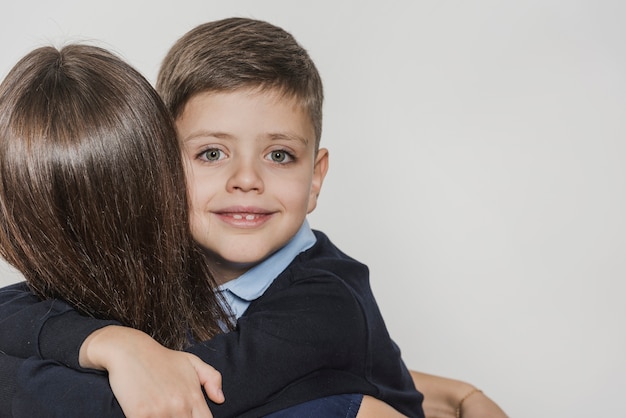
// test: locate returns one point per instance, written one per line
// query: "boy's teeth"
(248, 217)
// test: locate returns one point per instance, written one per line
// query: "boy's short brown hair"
(234, 53)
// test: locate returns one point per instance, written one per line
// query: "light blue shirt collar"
(240, 292)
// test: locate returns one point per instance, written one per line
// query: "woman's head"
(92, 192)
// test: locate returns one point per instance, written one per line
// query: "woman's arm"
(443, 398)
(449, 398)
(375, 408)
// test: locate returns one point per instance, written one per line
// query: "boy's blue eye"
(212, 154)
(280, 156)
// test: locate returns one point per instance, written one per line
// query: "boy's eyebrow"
(289, 137)
(276, 136)
(204, 134)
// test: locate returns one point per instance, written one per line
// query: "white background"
(477, 166)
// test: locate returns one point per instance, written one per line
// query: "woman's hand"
(148, 379)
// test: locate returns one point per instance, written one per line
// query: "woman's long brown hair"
(93, 205)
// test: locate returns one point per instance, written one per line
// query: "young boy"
(247, 101)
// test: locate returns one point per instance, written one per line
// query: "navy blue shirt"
(315, 332)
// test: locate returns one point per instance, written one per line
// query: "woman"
(91, 202)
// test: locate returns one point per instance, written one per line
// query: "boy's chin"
(233, 266)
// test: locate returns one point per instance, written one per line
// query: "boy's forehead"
(212, 109)
(276, 94)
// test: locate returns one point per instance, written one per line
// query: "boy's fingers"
(214, 394)
(209, 378)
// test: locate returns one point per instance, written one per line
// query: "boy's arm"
(305, 328)
(287, 338)
(8, 382)
(23, 317)
(48, 329)
(296, 334)
(52, 330)
(36, 388)
(31, 387)
(149, 379)
(41, 388)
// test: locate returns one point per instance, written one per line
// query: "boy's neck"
(254, 282)
(225, 271)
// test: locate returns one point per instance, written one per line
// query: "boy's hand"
(148, 379)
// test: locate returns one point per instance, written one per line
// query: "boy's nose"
(246, 177)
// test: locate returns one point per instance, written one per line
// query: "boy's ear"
(319, 172)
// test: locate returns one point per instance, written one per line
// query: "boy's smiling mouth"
(244, 217)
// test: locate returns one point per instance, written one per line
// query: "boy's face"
(252, 174)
